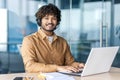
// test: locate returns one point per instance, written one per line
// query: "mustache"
(50, 24)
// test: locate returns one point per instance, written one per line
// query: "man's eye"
(54, 18)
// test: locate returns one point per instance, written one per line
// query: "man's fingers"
(81, 65)
(73, 69)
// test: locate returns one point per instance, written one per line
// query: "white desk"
(114, 74)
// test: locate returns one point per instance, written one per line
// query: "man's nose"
(50, 20)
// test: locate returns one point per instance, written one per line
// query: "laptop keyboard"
(77, 72)
(72, 73)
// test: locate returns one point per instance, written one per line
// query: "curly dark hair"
(49, 9)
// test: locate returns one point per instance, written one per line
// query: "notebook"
(98, 61)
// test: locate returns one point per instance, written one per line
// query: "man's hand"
(67, 69)
(78, 66)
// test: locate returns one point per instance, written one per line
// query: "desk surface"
(114, 74)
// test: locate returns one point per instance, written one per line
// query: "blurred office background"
(85, 24)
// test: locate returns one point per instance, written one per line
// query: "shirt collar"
(43, 35)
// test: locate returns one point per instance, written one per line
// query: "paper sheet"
(58, 76)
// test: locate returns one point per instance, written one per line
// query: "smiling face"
(49, 23)
(46, 13)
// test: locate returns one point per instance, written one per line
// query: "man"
(44, 51)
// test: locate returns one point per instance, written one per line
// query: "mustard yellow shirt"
(39, 55)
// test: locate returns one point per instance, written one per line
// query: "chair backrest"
(19, 47)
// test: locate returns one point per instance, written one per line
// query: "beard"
(47, 29)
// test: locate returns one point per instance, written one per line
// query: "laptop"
(98, 61)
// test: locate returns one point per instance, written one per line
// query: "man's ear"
(38, 22)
